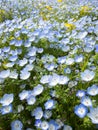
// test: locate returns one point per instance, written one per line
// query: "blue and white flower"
(7, 99)
(93, 115)
(81, 110)
(86, 101)
(87, 75)
(93, 90)
(16, 125)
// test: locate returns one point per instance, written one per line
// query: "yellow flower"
(49, 7)
(70, 26)
(85, 9)
(59, 0)
(11, 38)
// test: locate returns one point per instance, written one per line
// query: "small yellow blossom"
(49, 7)
(70, 26)
(85, 9)
(59, 0)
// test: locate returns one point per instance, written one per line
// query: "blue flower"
(80, 93)
(67, 70)
(93, 115)
(23, 62)
(69, 61)
(87, 75)
(93, 90)
(53, 125)
(7, 99)
(62, 60)
(24, 95)
(79, 58)
(81, 110)
(31, 100)
(63, 79)
(45, 79)
(4, 74)
(13, 75)
(38, 123)
(86, 101)
(44, 125)
(16, 125)
(38, 90)
(37, 113)
(54, 80)
(47, 114)
(49, 104)
(24, 74)
(13, 58)
(6, 109)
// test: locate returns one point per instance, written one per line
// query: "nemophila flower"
(40, 50)
(50, 67)
(44, 125)
(81, 110)
(67, 127)
(89, 48)
(13, 58)
(16, 125)
(87, 75)
(62, 60)
(12, 42)
(13, 74)
(37, 113)
(93, 115)
(93, 90)
(65, 48)
(31, 100)
(24, 95)
(4, 74)
(38, 90)
(38, 123)
(63, 79)
(27, 44)
(53, 125)
(82, 35)
(24, 74)
(23, 62)
(69, 61)
(50, 104)
(32, 59)
(80, 93)
(32, 51)
(9, 64)
(47, 58)
(29, 67)
(7, 99)
(86, 101)
(79, 58)
(18, 43)
(6, 49)
(47, 114)
(67, 70)
(54, 80)
(6, 109)
(45, 79)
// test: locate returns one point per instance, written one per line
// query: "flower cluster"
(48, 58)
